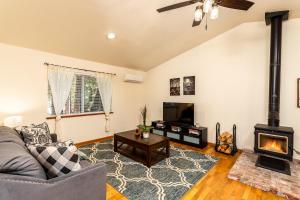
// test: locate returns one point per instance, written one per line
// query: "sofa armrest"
(88, 183)
(54, 137)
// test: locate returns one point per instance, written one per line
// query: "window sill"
(79, 115)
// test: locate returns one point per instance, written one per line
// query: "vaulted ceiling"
(145, 38)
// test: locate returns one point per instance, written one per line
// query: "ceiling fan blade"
(178, 5)
(195, 23)
(236, 4)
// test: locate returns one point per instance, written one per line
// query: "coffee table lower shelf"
(141, 156)
(141, 152)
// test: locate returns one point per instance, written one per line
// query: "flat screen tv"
(180, 113)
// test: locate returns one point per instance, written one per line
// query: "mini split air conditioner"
(131, 78)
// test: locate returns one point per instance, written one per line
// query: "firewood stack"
(226, 144)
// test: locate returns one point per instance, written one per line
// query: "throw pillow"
(56, 160)
(69, 143)
(43, 125)
(36, 134)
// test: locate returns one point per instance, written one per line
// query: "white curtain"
(104, 82)
(60, 81)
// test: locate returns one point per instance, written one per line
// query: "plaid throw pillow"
(57, 160)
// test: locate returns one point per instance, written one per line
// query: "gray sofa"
(22, 177)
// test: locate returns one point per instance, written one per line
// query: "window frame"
(82, 112)
(78, 115)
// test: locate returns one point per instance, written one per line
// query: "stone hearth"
(245, 171)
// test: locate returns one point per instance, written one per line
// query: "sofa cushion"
(16, 160)
(10, 135)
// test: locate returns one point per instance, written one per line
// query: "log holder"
(218, 142)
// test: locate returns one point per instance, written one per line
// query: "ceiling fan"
(209, 7)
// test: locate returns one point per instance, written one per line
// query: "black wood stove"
(274, 143)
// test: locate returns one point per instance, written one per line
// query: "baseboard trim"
(80, 144)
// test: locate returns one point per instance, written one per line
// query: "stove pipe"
(275, 19)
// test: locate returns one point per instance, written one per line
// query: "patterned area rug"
(283, 185)
(169, 179)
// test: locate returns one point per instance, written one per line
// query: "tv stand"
(182, 133)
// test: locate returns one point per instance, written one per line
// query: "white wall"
(23, 88)
(232, 80)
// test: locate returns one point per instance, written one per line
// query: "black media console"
(182, 133)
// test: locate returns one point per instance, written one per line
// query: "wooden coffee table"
(147, 151)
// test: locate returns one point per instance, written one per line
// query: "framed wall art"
(189, 85)
(175, 87)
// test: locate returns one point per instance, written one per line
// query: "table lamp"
(13, 121)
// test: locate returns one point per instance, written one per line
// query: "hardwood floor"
(215, 185)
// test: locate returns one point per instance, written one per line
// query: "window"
(84, 97)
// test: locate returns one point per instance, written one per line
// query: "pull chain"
(206, 23)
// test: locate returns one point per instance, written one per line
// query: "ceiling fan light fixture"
(198, 14)
(214, 14)
(207, 5)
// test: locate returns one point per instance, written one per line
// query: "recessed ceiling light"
(111, 35)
